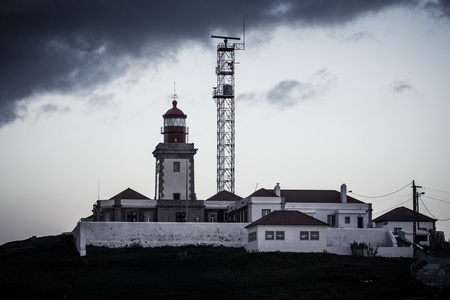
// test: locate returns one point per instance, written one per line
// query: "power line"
(437, 199)
(392, 207)
(423, 203)
(381, 195)
(437, 190)
(404, 196)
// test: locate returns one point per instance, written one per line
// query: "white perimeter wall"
(123, 234)
(339, 241)
(152, 234)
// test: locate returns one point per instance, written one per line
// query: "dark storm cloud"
(441, 8)
(65, 46)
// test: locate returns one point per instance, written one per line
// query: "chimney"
(277, 190)
(343, 193)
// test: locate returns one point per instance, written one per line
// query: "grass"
(53, 270)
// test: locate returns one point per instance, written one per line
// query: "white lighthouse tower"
(174, 172)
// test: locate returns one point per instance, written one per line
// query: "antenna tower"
(223, 95)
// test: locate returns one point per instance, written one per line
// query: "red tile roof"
(263, 193)
(287, 217)
(306, 196)
(224, 196)
(315, 196)
(402, 214)
(129, 194)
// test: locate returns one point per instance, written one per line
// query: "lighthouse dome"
(175, 129)
(174, 112)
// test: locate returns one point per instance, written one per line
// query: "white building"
(216, 206)
(336, 209)
(400, 222)
(287, 231)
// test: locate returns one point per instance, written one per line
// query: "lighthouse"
(174, 130)
(174, 171)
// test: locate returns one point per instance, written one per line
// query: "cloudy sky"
(328, 92)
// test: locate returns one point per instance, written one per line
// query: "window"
(212, 217)
(304, 235)
(280, 235)
(107, 217)
(176, 196)
(252, 236)
(180, 217)
(397, 229)
(347, 220)
(176, 166)
(148, 216)
(131, 216)
(265, 212)
(331, 220)
(175, 122)
(314, 235)
(360, 222)
(269, 235)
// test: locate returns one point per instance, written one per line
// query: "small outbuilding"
(287, 231)
(400, 222)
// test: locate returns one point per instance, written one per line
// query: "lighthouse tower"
(174, 172)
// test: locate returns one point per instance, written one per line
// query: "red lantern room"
(175, 130)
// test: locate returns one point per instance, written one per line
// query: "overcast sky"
(328, 92)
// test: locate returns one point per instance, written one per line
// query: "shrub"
(362, 249)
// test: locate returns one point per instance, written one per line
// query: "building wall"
(321, 211)
(167, 210)
(116, 210)
(333, 240)
(126, 234)
(422, 237)
(252, 208)
(345, 237)
(257, 204)
(405, 226)
(176, 182)
(340, 239)
(168, 181)
(291, 242)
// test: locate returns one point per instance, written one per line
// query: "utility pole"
(414, 218)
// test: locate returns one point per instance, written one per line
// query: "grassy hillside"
(52, 269)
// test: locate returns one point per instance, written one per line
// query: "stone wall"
(150, 234)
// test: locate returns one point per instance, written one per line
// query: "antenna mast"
(223, 95)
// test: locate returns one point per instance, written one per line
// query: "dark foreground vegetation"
(50, 268)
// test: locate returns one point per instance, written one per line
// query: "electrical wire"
(436, 199)
(431, 213)
(382, 195)
(404, 196)
(392, 207)
(438, 190)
